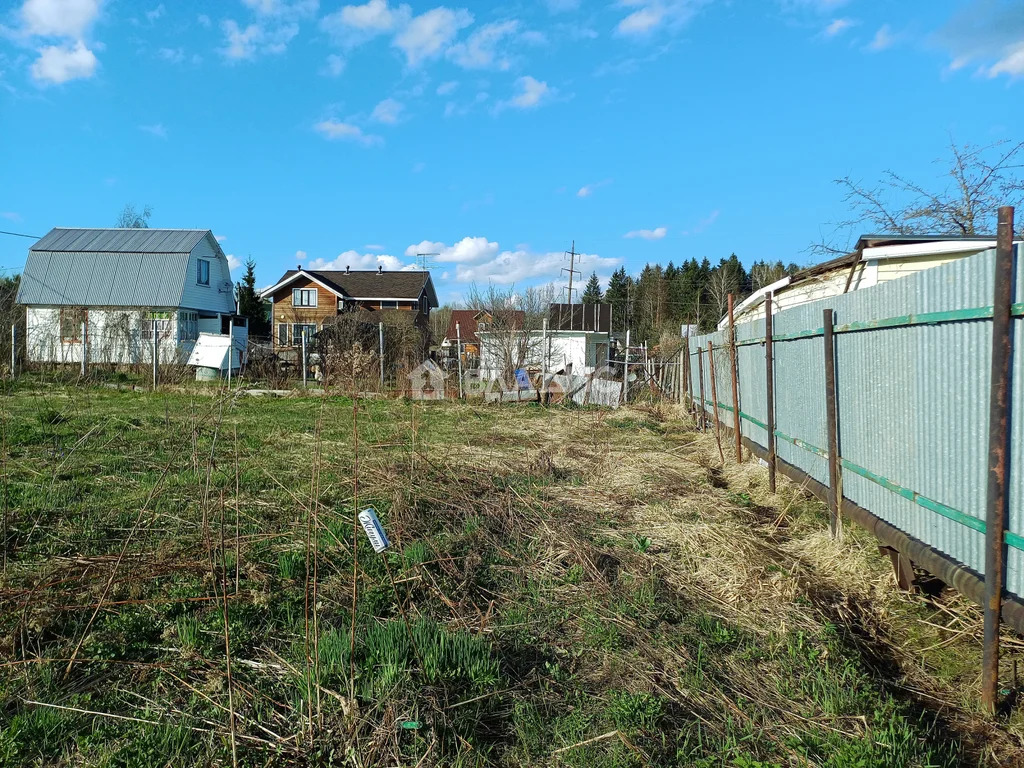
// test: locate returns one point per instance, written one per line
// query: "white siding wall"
(583, 351)
(213, 297)
(112, 335)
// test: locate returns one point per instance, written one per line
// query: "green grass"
(534, 624)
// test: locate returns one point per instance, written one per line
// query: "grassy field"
(565, 587)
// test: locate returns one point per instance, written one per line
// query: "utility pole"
(571, 253)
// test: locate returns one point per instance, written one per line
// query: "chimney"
(346, 269)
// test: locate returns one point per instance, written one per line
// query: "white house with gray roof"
(115, 285)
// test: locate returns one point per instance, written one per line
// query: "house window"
(304, 297)
(163, 325)
(202, 272)
(423, 304)
(71, 320)
(188, 326)
(299, 328)
(389, 305)
(282, 334)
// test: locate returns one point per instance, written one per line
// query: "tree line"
(661, 299)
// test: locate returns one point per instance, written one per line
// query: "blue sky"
(494, 133)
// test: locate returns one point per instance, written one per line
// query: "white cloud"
(300, 255)
(220, 238)
(428, 34)
(447, 88)
(561, 6)
(233, 262)
(883, 39)
(388, 112)
(588, 189)
(335, 65)
(156, 13)
(481, 49)
(641, 22)
(204, 20)
(704, 223)
(155, 129)
(480, 260)
(283, 8)
(356, 260)
(648, 234)
(373, 247)
(61, 63)
(419, 167)
(173, 55)
(1011, 64)
(336, 130)
(532, 93)
(838, 26)
(59, 18)
(10, 215)
(243, 44)
(468, 249)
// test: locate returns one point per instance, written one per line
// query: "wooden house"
(303, 300)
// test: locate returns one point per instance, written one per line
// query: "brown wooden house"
(304, 299)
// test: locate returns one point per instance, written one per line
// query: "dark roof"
(466, 318)
(371, 284)
(79, 240)
(580, 317)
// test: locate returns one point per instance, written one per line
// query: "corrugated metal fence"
(913, 377)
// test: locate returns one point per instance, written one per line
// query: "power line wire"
(19, 234)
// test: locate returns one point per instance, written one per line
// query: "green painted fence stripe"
(902, 321)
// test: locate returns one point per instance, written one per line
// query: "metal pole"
(84, 349)
(835, 491)
(14, 350)
(458, 349)
(231, 348)
(154, 354)
(734, 370)
(544, 360)
(714, 400)
(700, 377)
(380, 329)
(303, 357)
(998, 458)
(625, 372)
(769, 367)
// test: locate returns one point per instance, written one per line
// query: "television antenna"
(423, 260)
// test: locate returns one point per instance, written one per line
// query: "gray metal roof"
(109, 267)
(74, 240)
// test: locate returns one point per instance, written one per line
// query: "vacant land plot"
(584, 588)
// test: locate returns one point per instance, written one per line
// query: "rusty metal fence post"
(769, 365)
(835, 491)
(700, 377)
(714, 400)
(997, 506)
(734, 371)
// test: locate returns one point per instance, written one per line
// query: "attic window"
(202, 272)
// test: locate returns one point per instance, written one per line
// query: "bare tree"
(130, 218)
(510, 335)
(979, 180)
(766, 274)
(719, 287)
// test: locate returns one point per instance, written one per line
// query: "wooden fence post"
(769, 365)
(835, 491)
(997, 506)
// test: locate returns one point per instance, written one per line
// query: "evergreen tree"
(617, 295)
(592, 294)
(250, 305)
